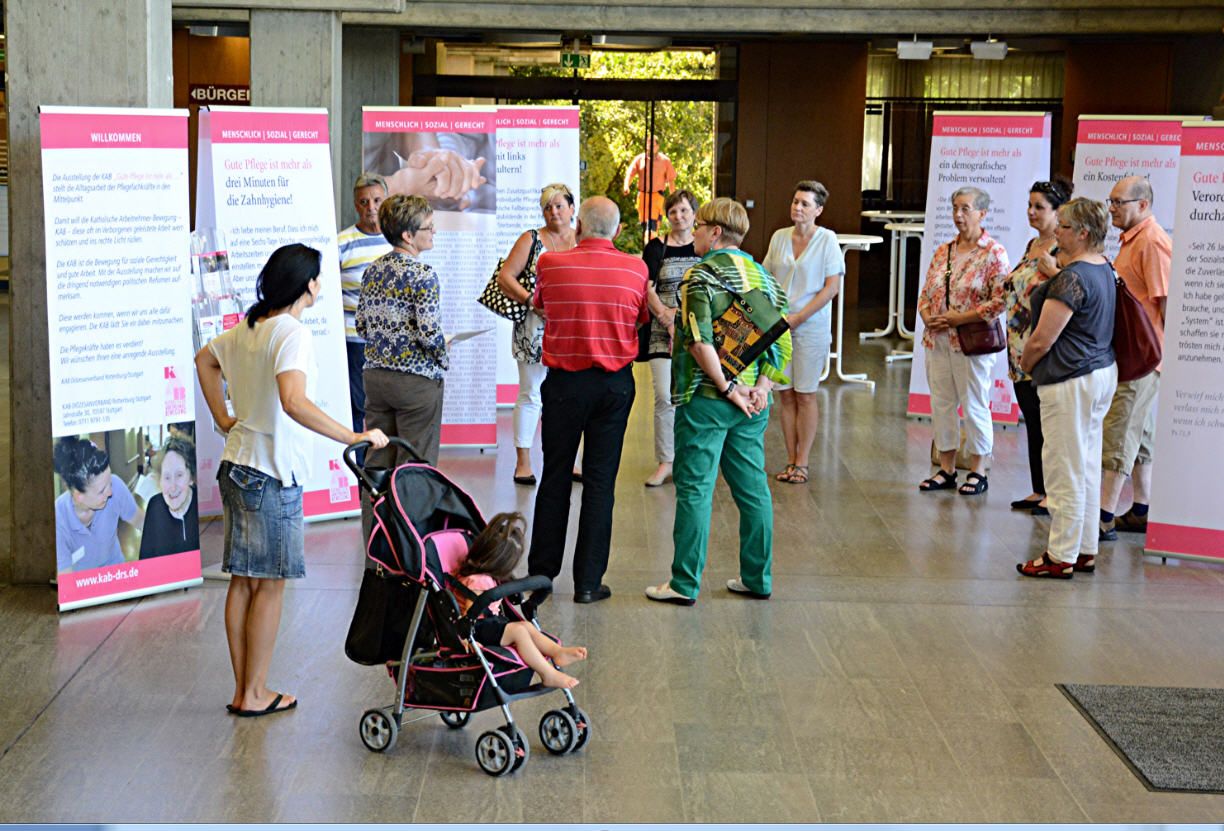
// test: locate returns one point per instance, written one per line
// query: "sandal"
(785, 475)
(1043, 566)
(798, 475)
(941, 481)
(975, 483)
(1085, 563)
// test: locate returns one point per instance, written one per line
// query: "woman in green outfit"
(720, 423)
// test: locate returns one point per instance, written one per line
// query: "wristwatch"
(731, 385)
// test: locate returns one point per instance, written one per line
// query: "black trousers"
(591, 406)
(1030, 406)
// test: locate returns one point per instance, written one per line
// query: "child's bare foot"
(558, 680)
(569, 655)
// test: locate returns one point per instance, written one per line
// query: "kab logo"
(176, 393)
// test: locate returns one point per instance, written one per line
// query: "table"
(896, 301)
(848, 242)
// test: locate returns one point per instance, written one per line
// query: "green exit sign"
(573, 60)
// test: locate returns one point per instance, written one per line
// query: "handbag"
(495, 300)
(382, 617)
(1135, 344)
(977, 337)
(749, 326)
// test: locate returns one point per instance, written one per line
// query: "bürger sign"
(238, 94)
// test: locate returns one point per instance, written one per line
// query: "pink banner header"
(990, 126)
(1097, 131)
(418, 121)
(515, 119)
(1203, 141)
(61, 131)
(137, 576)
(262, 127)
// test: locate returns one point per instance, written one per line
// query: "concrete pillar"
(72, 53)
(295, 62)
(371, 79)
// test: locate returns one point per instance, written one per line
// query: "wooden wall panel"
(1113, 78)
(801, 117)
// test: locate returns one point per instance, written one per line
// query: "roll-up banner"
(536, 146)
(1187, 514)
(1111, 147)
(1003, 154)
(400, 142)
(119, 335)
(264, 180)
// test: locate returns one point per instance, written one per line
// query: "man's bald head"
(598, 217)
(1136, 187)
(1130, 202)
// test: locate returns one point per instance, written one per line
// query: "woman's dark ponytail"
(78, 460)
(284, 278)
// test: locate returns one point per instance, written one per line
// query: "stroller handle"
(350, 459)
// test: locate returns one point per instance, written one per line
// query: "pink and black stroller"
(408, 618)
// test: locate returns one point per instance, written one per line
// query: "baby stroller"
(407, 617)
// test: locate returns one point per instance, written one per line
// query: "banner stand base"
(214, 572)
(1165, 556)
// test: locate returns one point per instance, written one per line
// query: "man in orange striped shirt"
(592, 299)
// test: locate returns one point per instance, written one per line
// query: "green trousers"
(713, 434)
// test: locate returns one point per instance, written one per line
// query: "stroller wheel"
(584, 727)
(495, 753)
(558, 732)
(378, 730)
(522, 750)
(455, 720)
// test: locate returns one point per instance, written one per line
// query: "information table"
(848, 242)
(896, 270)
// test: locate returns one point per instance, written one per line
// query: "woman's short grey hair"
(981, 199)
(1087, 215)
(819, 192)
(550, 192)
(400, 213)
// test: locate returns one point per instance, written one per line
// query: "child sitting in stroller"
(491, 560)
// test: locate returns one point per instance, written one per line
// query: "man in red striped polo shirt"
(592, 299)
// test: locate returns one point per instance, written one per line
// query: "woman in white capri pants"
(808, 264)
(1070, 356)
(527, 343)
(964, 283)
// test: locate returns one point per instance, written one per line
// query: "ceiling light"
(989, 50)
(914, 50)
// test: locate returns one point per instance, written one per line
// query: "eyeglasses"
(1114, 203)
(1048, 188)
(431, 229)
(700, 224)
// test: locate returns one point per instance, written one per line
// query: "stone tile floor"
(902, 672)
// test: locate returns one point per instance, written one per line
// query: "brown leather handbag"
(978, 337)
(1135, 344)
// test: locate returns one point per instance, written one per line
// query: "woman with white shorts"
(808, 264)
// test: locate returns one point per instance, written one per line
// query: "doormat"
(1171, 737)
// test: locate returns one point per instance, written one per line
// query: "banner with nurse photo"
(1002, 154)
(1187, 514)
(449, 157)
(536, 146)
(1112, 147)
(264, 180)
(119, 337)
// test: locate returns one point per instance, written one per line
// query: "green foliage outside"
(613, 132)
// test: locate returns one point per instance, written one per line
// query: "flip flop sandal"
(941, 481)
(274, 707)
(798, 475)
(785, 475)
(1043, 566)
(975, 483)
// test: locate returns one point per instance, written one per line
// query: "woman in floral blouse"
(964, 283)
(1036, 266)
(398, 315)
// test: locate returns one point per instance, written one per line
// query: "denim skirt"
(263, 524)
